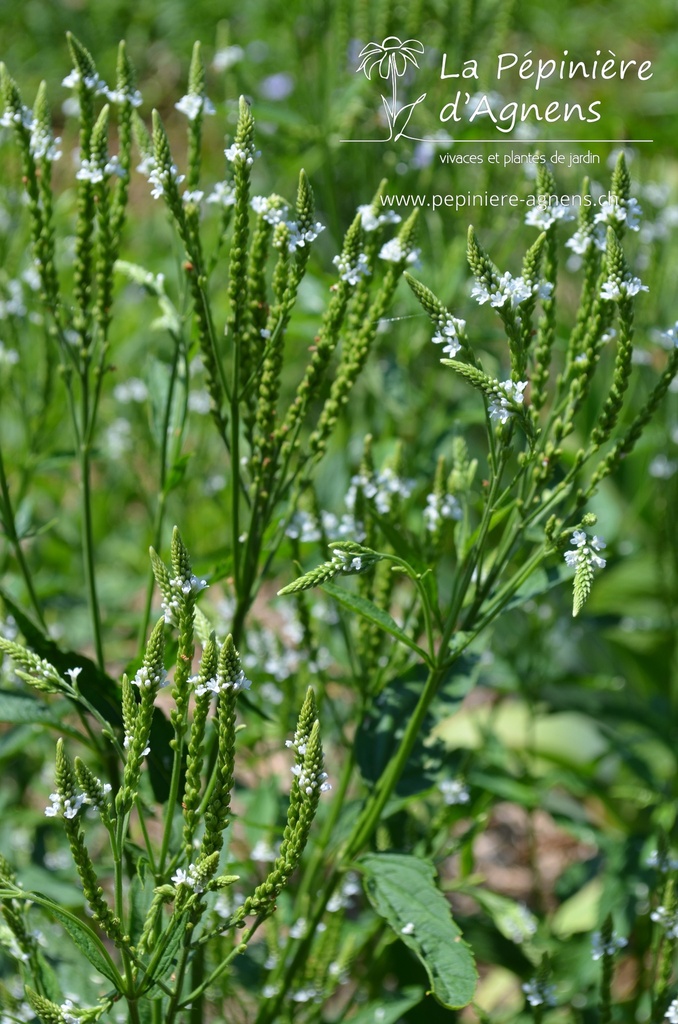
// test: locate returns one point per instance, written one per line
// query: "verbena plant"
(165, 936)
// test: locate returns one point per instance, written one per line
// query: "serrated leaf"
(97, 687)
(84, 938)
(367, 610)
(176, 931)
(403, 891)
(389, 1012)
(382, 728)
(20, 709)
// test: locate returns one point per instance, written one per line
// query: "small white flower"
(271, 208)
(393, 252)
(543, 216)
(131, 390)
(671, 1014)
(238, 154)
(223, 194)
(352, 272)
(438, 508)
(263, 852)
(664, 863)
(226, 57)
(298, 237)
(625, 211)
(585, 550)
(667, 920)
(501, 406)
(73, 674)
(196, 196)
(298, 929)
(123, 96)
(407, 929)
(454, 791)
(371, 221)
(191, 105)
(601, 949)
(189, 878)
(91, 82)
(614, 289)
(448, 333)
(539, 994)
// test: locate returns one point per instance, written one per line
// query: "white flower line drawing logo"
(392, 57)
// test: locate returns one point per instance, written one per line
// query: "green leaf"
(173, 936)
(402, 890)
(97, 687)
(361, 606)
(84, 938)
(540, 582)
(20, 709)
(383, 726)
(389, 1012)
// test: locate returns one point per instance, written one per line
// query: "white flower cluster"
(670, 336)
(440, 507)
(271, 208)
(393, 252)
(298, 238)
(147, 680)
(501, 406)
(663, 863)
(611, 213)
(131, 390)
(352, 272)
(513, 290)
(160, 178)
(381, 488)
(220, 685)
(93, 172)
(448, 333)
(70, 806)
(346, 562)
(585, 550)
(310, 781)
(671, 1014)
(192, 104)
(223, 194)
(43, 145)
(543, 216)
(371, 221)
(616, 288)
(668, 919)
(454, 792)
(69, 1018)
(342, 899)
(624, 211)
(263, 852)
(91, 82)
(189, 878)
(581, 240)
(539, 994)
(23, 117)
(599, 949)
(181, 587)
(14, 304)
(125, 95)
(196, 196)
(237, 154)
(305, 527)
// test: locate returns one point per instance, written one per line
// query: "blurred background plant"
(557, 776)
